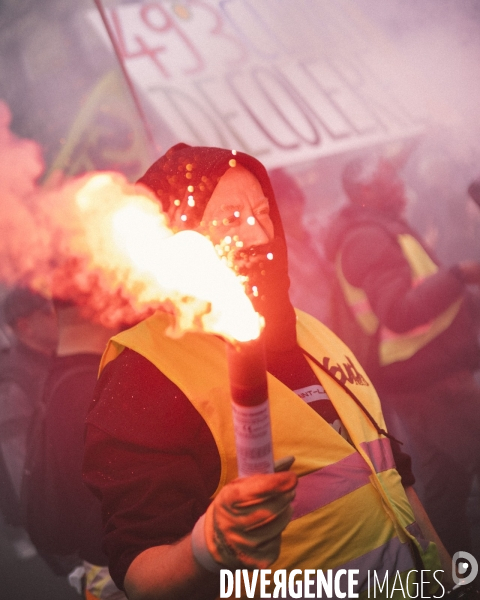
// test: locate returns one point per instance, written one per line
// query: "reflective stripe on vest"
(350, 503)
(395, 347)
(321, 487)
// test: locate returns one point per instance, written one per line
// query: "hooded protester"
(184, 168)
(412, 324)
(160, 450)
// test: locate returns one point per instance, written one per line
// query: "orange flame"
(128, 241)
(104, 243)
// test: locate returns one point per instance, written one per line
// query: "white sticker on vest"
(312, 393)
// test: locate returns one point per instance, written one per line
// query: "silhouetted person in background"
(413, 326)
(23, 370)
(474, 191)
(309, 273)
(63, 517)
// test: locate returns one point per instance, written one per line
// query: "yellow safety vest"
(350, 510)
(395, 347)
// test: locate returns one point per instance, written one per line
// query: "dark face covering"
(187, 172)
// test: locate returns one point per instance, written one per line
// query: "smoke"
(105, 245)
(439, 39)
(440, 42)
(43, 241)
(437, 47)
(23, 243)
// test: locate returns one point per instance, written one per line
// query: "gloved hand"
(242, 526)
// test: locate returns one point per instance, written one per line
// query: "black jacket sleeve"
(149, 457)
(373, 260)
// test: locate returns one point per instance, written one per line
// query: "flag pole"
(131, 87)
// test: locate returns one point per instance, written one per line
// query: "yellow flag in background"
(107, 134)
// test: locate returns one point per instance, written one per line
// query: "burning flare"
(128, 241)
(105, 244)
